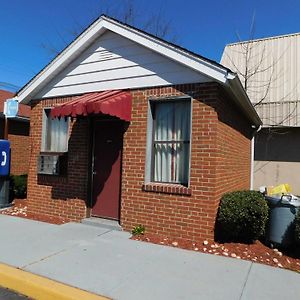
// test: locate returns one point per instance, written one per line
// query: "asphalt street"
(6, 294)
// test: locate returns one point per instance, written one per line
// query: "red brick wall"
(18, 135)
(220, 162)
(234, 149)
(59, 195)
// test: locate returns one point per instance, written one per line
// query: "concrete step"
(103, 223)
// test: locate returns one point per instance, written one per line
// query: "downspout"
(252, 157)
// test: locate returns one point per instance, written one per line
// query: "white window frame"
(150, 138)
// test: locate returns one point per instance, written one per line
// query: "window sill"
(167, 188)
(49, 179)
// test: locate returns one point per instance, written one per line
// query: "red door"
(108, 138)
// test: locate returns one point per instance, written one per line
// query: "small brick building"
(129, 127)
(18, 135)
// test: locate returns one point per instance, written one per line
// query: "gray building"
(270, 72)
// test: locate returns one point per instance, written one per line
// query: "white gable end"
(115, 62)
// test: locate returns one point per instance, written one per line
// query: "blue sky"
(30, 28)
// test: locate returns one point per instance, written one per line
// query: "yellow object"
(38, 287)
(280, 189)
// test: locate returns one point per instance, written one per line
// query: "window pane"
(164, 121)
(171, 162)
(55, 133)
(181, 162)
(182, 121)
(162, 162)
(171, 142)
(59, 128)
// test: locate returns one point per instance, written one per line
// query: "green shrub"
(139, 229)
(19, 186)
(242, 216)
(297, 228)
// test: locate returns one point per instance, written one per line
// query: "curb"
(38, 287)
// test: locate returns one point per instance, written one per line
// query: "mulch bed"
(257, 252)
(20, 209)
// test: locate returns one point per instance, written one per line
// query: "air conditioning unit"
(52, 164)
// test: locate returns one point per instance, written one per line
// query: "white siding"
(114, 62)
(275, 65)
(285, 113)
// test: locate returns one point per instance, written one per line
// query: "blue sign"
(11, 107)
(4, 157)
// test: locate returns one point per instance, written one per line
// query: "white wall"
(114, 62)
(272, 173)
(277, 157)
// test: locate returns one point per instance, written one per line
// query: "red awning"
(113, 103)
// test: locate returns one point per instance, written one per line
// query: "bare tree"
(263, 74)
(268, 70)
(125, 11)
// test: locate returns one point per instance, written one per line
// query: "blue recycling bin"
(4, 173)
(283, 210)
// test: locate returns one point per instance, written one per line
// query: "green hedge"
(19, 186)
(242, 216)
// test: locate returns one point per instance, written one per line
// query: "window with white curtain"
(171, 141)
(55, 133)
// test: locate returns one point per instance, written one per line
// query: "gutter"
(241, 98)
(17, 118)
(252, 157)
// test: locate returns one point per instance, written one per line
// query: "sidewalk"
(109, 264)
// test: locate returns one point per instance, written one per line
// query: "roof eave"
(16, 118)
(174, 52)
(59, 62)
(197, 63)
(242, 100)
